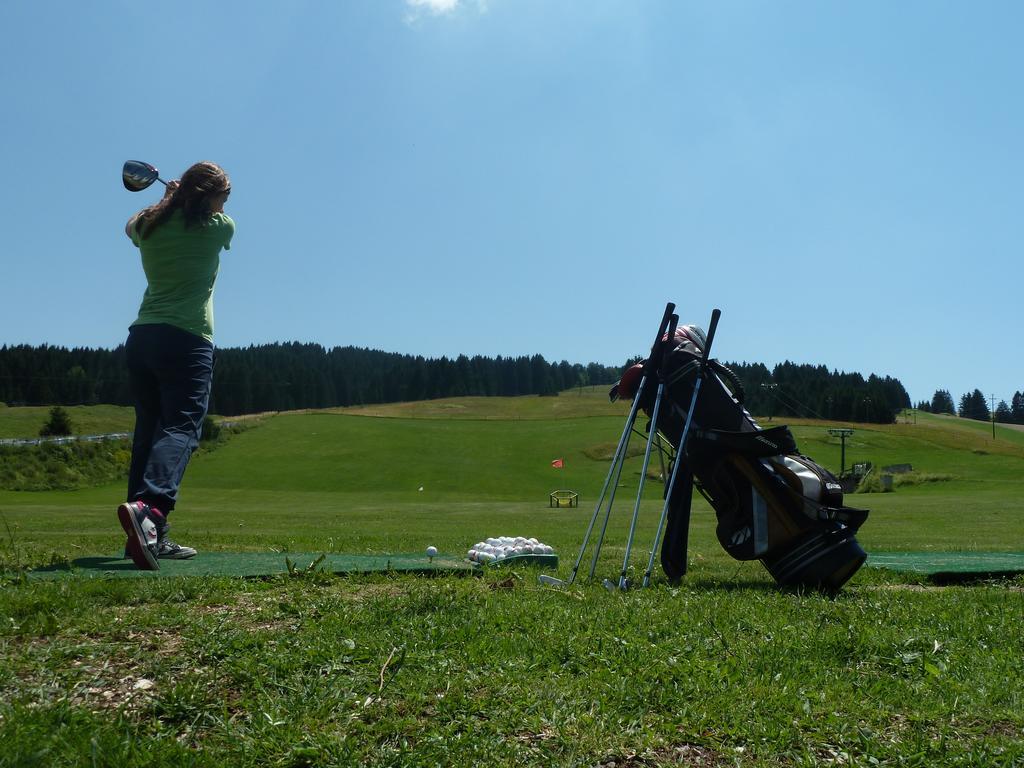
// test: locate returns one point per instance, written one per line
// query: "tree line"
(813, 391)
(974, 405)
(279, 377)
(288, 376)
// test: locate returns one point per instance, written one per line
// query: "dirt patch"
(690, 755)
(1009, 587)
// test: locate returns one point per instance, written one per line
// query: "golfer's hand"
(171, 187)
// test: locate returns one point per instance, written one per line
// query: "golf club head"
(622, 585)
(137, 175)
(551, 581)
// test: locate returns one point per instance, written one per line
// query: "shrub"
(211, 430)
(872, 482)
(50, 467)
(58, 425)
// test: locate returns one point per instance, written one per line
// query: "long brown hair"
(194, 196)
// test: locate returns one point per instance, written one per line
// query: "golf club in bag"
(772, 503)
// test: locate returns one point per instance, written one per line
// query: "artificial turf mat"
(254, 564)
(951, 566)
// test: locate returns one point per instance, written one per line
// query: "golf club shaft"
(643, 478)
(618, 461)
(620, 449)
(662, 344)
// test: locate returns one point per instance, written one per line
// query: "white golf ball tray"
(512, 550)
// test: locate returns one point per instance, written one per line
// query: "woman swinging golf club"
(170, 350)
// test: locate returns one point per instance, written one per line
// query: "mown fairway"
(387, 670)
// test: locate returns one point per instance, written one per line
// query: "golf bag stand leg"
(623, 583)
(681, 451)
(668, 321)
(662, 342)
(615, 471)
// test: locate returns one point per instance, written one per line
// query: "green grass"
(386, 670)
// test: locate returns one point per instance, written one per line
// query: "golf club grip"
(715, 314)
(670, 334)
(665, 320)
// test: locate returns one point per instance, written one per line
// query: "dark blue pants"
(171, 374)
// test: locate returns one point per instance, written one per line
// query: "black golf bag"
(772, 503)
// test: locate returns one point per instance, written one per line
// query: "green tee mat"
(951, 566)
(255, 564)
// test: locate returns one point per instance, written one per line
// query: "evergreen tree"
(942, 402)
(1017, 408)
(974, 406)
(58, 425)
(1003, 414)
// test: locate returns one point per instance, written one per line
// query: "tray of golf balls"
(512, 550)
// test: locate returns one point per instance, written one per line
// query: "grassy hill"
(384, 670)
(350, 480)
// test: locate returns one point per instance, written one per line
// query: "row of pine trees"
(813, 391)
(279, 377)
(974, 405)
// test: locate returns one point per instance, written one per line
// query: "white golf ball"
(431, 551)
(491, 542)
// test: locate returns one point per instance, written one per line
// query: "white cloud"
(436, 7)
(416, 9)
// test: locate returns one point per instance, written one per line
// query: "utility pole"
(771, 405)
(842, 434)
(992, 412)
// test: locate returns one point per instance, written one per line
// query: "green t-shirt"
(181, 267)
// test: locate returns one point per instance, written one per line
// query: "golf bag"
(772, 503)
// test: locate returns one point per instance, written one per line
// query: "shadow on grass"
(254, 565)
(761, 586)
(89, 564)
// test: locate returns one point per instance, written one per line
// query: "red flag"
(557, 463)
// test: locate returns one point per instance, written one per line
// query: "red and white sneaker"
(140, 523)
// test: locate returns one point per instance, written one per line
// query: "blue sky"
(531, 176)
